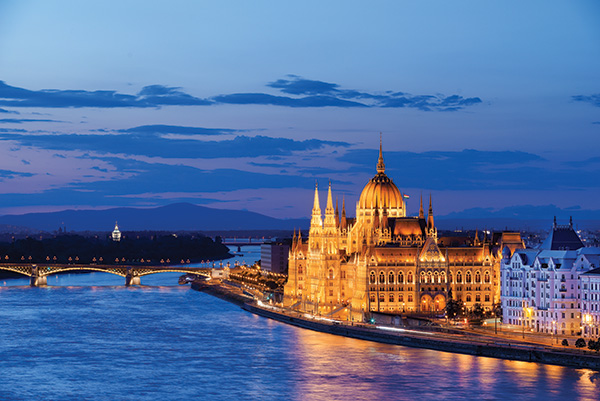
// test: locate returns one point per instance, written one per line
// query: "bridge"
(240, 242)
(132, 274)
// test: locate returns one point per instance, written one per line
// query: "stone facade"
(384, 261)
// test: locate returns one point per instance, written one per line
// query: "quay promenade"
(504, 345)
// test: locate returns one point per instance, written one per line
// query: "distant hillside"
(180, 216)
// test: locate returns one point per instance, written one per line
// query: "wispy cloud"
(153, 144)
(594, 99)
(294, 91)
(149, 96)
(178, 129)
(26, 120)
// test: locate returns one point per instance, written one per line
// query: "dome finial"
(380, 164)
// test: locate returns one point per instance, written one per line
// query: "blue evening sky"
(245, 104)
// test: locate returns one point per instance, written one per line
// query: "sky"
(246, 105)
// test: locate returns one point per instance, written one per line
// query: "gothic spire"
(380, 164)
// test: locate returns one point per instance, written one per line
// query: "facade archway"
(439, 303)
(426, 303)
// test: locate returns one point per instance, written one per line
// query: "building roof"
(562, 238)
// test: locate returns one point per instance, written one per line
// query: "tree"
(580, 343)
(453, 308)
(591, 344)
(478, 311)
(565, 342)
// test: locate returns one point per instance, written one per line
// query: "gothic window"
(477, 277)
(487, 277)
(400, 278)
(459, 278)
(468, 277)
(372, 278)
(391, 278)
(381, 278)
(391, 297)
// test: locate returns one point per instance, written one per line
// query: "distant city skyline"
(243, 105)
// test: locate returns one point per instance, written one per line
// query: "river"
(87, 337)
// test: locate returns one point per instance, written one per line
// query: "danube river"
(87, 337)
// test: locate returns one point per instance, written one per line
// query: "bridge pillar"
(130, 279)
(37, 280)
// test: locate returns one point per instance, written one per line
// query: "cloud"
(330, 94)
(594, 99)
(308, 101)
(24, 120)
(149, 96)
(178, 129)
(152, 144)
(7, 174)
(297, 92)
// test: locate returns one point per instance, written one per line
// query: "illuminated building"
(384, 261)
(116, 234)
(545, 289)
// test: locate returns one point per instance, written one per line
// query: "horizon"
(244, 106)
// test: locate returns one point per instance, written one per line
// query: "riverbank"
(463, 343)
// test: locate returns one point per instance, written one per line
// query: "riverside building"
(549, 289)
(387, 262)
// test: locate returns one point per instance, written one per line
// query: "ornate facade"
(383, 261)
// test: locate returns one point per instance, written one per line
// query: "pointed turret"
(380, 163)
(316, 221)
(330, 221)
(343, 222)
(421, 212)
(431, 231)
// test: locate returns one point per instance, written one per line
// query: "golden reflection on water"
(334, 367)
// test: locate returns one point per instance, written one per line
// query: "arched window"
(477, 277)
(487, 277)
(400, 278)
(372, 278)
(468, 278)
(391, 278)
(381, 278)
(459, 278)
(409, 279)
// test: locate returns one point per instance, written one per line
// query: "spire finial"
(380, 164)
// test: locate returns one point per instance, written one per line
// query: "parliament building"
(387, 262)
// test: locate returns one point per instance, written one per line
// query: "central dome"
(381, 193)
